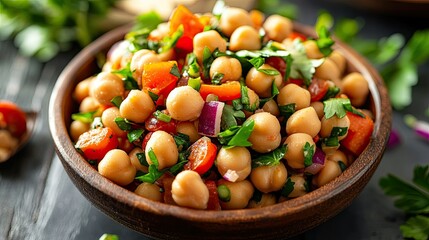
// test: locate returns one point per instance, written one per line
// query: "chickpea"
(338, 156)
(292, 93)
(89, 104)
(77, 128)
(164, 147)
(184, 103)
(137, 106)
(278, 27)
(189, 129)
(139, 59)
(356, 88)
(161, 31)
(116, 166)
(235, 159)
(210, 39)
(245, 38)
(229, 67)
(295, 149)
(232, 18)
(135, 159)
(338, 58)
(329, 172)
(318, 107)
(189, 190)
(267, 199)
(108, 118)
(334, 121)
(262, 83)
(81, 90)
(299, 188)
(105, 87)
(241, 193)
(149, 191)
(271, 107)
(328, 70)
(265, 136)
(7, 142)
(269, 178)
(257, 18)
(312, 49)
(304, 121)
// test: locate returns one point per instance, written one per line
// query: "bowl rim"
(361, 165)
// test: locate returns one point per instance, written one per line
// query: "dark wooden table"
(38, 201)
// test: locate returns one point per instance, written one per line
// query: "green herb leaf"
(108, 236)
(399, 80)
(217, 78)
(421, 177)
(195, 83)
(153, 174)
(208, 59)
(139, 40)
(416, 228)
(257, 62)
(142, 159)
(343, 166)
(182, 141)
(338, 106)
(149, 21)
(127, 76)
(227, 119)
(162, 116)
(338, 131)
(134, 135)
(302, 67)
(116, 101)
(287, 188)
(332, 92)
(409, 198)
(170, 41)
(270, 72)
(308, 151)
(287, 110)
(87, 117)
(270, 159)
(240, 138)
(175, 71)
(324, 41)
(123, 124)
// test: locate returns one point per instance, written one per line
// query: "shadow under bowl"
(164, 221)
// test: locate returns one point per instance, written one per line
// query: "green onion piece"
(142, 159)
(308, 151)
(108, 236)
(134, 135)
(342, 166)
(195, 83)
(224, 193)
(287, 188)
(87, 117)
(162, 116)
(116, 101)
(123, 124)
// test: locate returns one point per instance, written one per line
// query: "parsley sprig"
(412, 198)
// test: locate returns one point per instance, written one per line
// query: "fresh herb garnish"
(287, 110)
(287, 188)
(270, 159)
(87, 117)
(162, 116)
(308, 151)
(182, 141)
(153, 173)
(123, 123)
(208, 59)
(217, 78)
(170, 41)
(127, 76)
(142, 159)
(343, 166)
(339, 106)
(324, 40)
(134, 135)
(412, 198)
(116, 101)
(302, 67)
(175, 71)
(237, 135)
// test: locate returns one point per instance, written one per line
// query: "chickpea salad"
(224, 110)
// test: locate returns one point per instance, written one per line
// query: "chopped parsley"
(339, 106)
(270, 159)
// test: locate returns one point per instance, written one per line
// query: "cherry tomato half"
(153, 124)
(202, 156)
(95, 143)
(14, 119)
(278, 63)
(318, 89)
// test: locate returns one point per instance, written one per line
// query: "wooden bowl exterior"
(164, 221)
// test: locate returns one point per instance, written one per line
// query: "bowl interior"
(340, 191)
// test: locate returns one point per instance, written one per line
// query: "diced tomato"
(153, 124)
(318, 89)
(295, 35)
(359, 133)
(158, 78)
(146, 139)
(12, 118)
(297, 81)
(278, 63)
(95, 143)
(213, 203)
(167, 181)
(191, 26)
(202, 156)
(225, 92)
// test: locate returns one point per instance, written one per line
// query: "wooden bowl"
(164, 221)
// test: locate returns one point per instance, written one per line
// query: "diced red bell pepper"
(359, 133)
(158, 76)
(225, 92)
(191, 26)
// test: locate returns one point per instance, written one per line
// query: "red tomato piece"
(278, 63)
(213, 203)
(296, 81)
(295, 35)
(202, 156)
(95, 143)
(359, 133)
(191, 26)
(225, 92)
(152, 124)
(146, 139)
(12, 118)
(157, 77)
(318, 89)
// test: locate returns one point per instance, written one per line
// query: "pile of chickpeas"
(237, 29)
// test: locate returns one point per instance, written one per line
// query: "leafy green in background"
(282, 8)
(413, 199)
(42, 28)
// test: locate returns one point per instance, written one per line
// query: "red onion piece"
(422, 129)
(318, 162)
(210, 118)
(394, 139)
